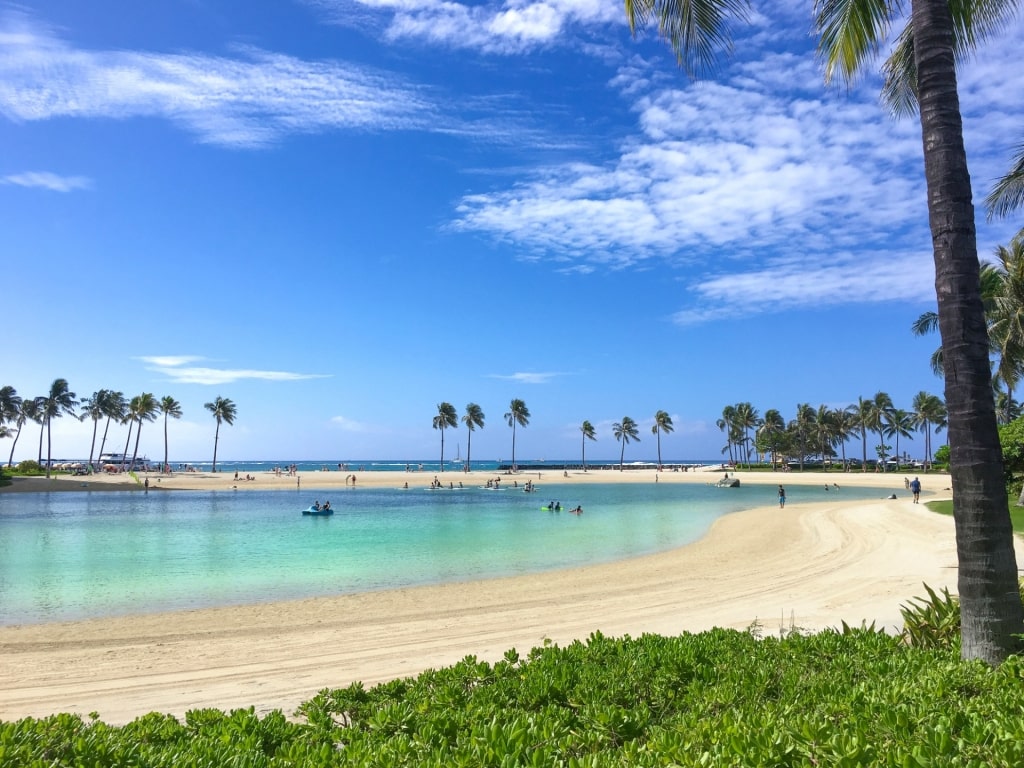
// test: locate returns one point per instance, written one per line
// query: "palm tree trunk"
(138, 434)
(164, 467)
(103, 442)
(124, 456)
(49, 447)
(991, 614)
(442, 449)
(216, 437)
(92, 445)
(513, 446)
(10, 459)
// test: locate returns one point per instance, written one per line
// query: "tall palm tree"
(728, 425)
(225, 411)
(11, 405)
(662, 423)
(519, 414)
(921, 75)
(115, 408)
(1006, 316)
(446, 417)
(625, 431)
(473, 418)
(169, 407)
(898, 423)
(770, 432)
(145, 410)
(589, 433)
(92, 408)
(60, 401)
(29, 410)
(803, 427)
(929, 412)
(881, 408)
(747, 419)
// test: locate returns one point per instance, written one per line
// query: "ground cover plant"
(838, 698)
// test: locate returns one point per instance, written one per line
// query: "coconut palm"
(29, 410)
(662, 423)
(625, 431)
(589, 433)
(225, 411)
(898, 423)
(518, 414)
(878, 413)
(747, 418)
(172, 408)
(473, 418)
(803, 429)
(446, 417)
(921, 75)
(11, 413)
(59, 402)
(728, 425)
(115, 407)
(10, 404)
(929, 412)
(92, 408)
(770, 432)
(145, 408)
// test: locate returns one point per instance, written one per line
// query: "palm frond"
(850, 31)
(696, 29)
(1008, 193)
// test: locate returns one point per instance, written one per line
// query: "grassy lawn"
(1016, 513)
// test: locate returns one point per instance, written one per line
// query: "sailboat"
(457, 460)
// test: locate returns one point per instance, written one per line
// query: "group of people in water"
(556, 506)
(318, 508)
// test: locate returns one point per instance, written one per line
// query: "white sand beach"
(811, 566)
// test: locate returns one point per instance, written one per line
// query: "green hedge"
(720, 698)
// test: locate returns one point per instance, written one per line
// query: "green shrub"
(29, 467)
(720, 698)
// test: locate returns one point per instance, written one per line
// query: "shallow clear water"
(78, 555)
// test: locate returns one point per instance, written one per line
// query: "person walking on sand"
(782, 497)
(915, 488)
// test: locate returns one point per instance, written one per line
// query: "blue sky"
(339, 213)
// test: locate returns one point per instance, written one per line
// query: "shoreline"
(812, 566)
(332, 479)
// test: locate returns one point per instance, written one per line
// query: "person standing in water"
(782, 497)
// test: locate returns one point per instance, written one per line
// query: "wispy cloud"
(527, 377)
(513, 26)
(178, 370)
(47, 180)
(250, 100)
(349, 425)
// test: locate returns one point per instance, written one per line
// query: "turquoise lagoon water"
(76, 555)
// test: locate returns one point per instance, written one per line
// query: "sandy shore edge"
(812, 566)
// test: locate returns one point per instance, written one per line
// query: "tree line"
(104, 405)
(822, 431)
(518, 415)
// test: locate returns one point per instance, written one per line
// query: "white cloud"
(514, 26)
(47, 180)
(246, 101)
(176, 369)
(528, 378)
(349, 425)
